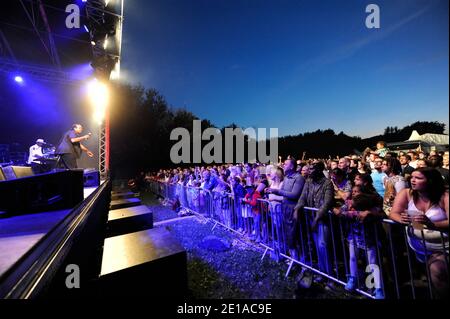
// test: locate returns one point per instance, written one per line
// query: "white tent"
(433, 139)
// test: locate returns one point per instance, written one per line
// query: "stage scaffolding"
(106, 49)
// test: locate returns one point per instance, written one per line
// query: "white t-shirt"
(413, 164)
(35, 152)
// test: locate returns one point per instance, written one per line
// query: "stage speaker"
(43, 192)
(124, 195)
(124, 203)
(129, 220)
(2, 176)
(91, 178)
(145, 263)
(22, 171)
(13, 172)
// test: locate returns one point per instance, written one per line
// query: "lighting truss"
(102, 23)
(46, 74)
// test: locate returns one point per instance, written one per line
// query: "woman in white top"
(276, 176)
(427, 203)
(276, 181)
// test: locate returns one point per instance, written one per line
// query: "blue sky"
(295, 65)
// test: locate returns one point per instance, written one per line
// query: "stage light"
(103, 65)
(98, 97)
(92, 42)
(115, 73)
(18, 79)
(86, 28)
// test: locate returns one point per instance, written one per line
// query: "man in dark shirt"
(70, 147)
(436, 162)
(291, 190)
(350, 172)
(406, 168)
(210, 181)
(318, 193)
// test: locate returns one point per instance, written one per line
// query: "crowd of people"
(409, 188)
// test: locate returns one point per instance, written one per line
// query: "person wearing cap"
(36, 152)
(34, 158)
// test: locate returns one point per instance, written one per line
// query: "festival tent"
(430, 138)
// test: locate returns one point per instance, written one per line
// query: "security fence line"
(331, 249)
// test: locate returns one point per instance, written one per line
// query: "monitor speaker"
(43, 192)
(13, 172)
(91, 178)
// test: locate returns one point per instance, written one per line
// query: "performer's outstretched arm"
(85, 149)
(81, 138)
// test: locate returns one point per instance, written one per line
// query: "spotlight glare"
(98, 96)
(86, 28)
(115, 73)
(92, 42)
(18, 79)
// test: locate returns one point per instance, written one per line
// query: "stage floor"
(18, 234)
(88, 191)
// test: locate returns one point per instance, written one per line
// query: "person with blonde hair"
(445, 160)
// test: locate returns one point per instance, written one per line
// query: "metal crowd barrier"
(377, 253)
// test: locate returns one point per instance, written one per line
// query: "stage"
(40, 239)
(18, 234)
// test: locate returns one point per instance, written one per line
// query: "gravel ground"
(237, 272)
(160, 212)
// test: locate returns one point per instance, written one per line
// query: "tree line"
(141, 122)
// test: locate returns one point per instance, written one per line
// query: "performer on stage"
(70, 148)
(36, 152)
